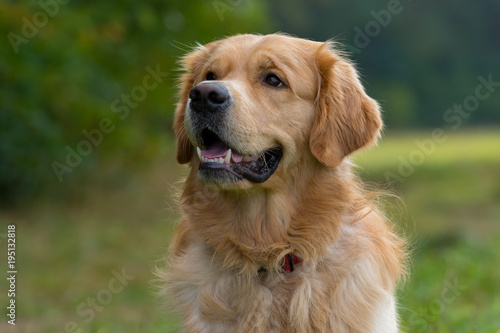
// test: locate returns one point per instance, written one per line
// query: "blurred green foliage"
(63, 64)
(417, 58)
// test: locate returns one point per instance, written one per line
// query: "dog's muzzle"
(219, 161)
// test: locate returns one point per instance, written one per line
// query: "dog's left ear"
(346, 118)
(184, 148)
(191, 64)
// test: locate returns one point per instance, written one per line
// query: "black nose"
(210, 97)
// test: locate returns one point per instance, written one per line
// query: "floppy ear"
(191, 64)
(346, 118)
(184, 149)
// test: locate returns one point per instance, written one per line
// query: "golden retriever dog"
(277, 233)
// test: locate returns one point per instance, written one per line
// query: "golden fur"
(312, 205)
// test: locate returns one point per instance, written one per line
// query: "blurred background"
(88, 177)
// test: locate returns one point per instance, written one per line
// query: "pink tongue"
(236, 157)
(219, 149)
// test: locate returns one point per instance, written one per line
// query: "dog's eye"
(210, 76)
(273, 80)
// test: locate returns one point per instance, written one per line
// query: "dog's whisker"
(177, 43)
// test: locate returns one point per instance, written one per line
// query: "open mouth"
(219, 160)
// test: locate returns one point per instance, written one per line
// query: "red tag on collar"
(289, 261)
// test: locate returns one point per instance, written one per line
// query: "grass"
(451, 213)
(68, 252)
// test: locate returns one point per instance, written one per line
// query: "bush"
(67, 68)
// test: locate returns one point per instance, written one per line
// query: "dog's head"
(251, 105)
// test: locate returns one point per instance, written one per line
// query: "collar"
(287, 263)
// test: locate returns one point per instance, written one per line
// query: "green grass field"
(69, 255)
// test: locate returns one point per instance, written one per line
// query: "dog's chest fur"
(341, 291)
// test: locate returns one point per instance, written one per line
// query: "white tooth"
(221, 160)
(198, 150)
(205, 159)
(227, 159)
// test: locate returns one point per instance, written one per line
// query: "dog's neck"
(249, 229)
